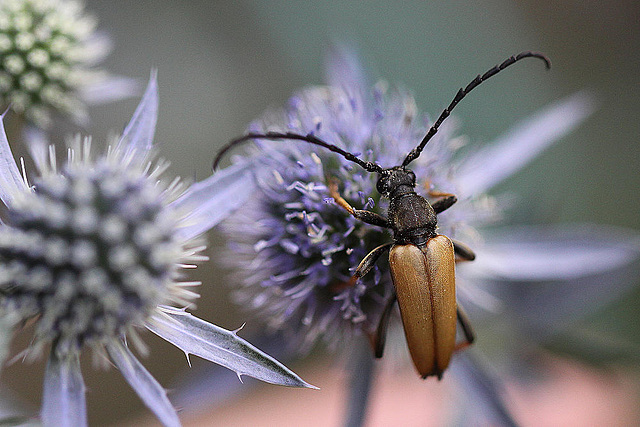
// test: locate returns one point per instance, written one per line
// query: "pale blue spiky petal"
(213, 199)
(343, 69)
(37, 142)
(218, 345)
(508, 154)
(149, 390)
(138, 134)
(63, 401)
(534, 253)
(97, 47)
(10, 179)
(551, 276)
(109, 89)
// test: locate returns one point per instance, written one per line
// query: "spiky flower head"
(48, 50)
(295, 260)
(95, 248)
(292, 250)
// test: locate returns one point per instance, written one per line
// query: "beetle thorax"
(411, 217)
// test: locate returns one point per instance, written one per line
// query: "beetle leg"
(467, 330)
(363, 268)
(443, 204)
(363, 215)
(463, 251)
(369, 261)
(379, 337)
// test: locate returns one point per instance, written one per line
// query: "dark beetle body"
(422, 267)
(411, 217)
(422, 262)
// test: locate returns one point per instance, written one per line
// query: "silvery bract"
(96, 247)
(49, 50)
(292, 251)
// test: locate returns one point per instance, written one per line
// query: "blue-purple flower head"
(292, 250)
(96, 247)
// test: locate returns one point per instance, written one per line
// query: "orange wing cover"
(424, 279)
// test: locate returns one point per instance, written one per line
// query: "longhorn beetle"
(422, 262)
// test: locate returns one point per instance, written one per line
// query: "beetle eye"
(413, 177)
(381, 185)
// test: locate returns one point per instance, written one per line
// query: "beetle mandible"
(422, 262)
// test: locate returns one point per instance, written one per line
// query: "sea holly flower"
(96, 247)
(48, 55)
(292, 251)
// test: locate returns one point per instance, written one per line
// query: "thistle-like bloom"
(293, 251)
(96, 247)
(48, 53)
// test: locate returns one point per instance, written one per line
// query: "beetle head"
(389, 180)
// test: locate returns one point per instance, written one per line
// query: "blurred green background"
(222, 63)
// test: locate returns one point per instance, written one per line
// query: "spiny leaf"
(195, 336)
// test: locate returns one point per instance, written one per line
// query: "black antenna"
(310, 138)
(415, 153)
